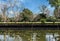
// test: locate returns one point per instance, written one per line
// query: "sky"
(32, 5)
(35, 4)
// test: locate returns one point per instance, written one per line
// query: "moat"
(29, 32)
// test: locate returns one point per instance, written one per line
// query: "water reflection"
(18, 38)
(35, 37)
(10, 38)
(52, 37)
(1, 38)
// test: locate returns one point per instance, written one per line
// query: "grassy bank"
(30, 22)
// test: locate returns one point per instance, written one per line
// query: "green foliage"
(11, 19)
(26, 15)
(43, 15)
(51, 19)
(43, 20)
(54, 2)
(27, 11)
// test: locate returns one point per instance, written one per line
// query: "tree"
(7, 8)
(19, 8)
(56, 4)
(3, 8)
(0, 18)
(51, 19)
(42, 15)
(42, 9)
(27, 15)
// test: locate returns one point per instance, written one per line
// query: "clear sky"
(33, 5)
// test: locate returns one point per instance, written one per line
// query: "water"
(34, 37)
(29, 35)
(18, 38)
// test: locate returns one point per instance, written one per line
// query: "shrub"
(51, 19)
(43, 20)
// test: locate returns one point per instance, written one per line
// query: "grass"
(28, 22)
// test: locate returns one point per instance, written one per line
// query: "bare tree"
(10, 5)
(3, 9)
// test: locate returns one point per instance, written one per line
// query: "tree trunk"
(56, 14)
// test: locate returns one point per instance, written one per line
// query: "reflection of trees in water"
(30, 36)
(18, 38)
(10, 38)
(52, 37)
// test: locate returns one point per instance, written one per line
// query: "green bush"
(51, 19)
(43, 20)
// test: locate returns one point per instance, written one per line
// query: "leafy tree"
(56, 4)
(51, 19)
(26, 15)
(43, 15)
(43, 18)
